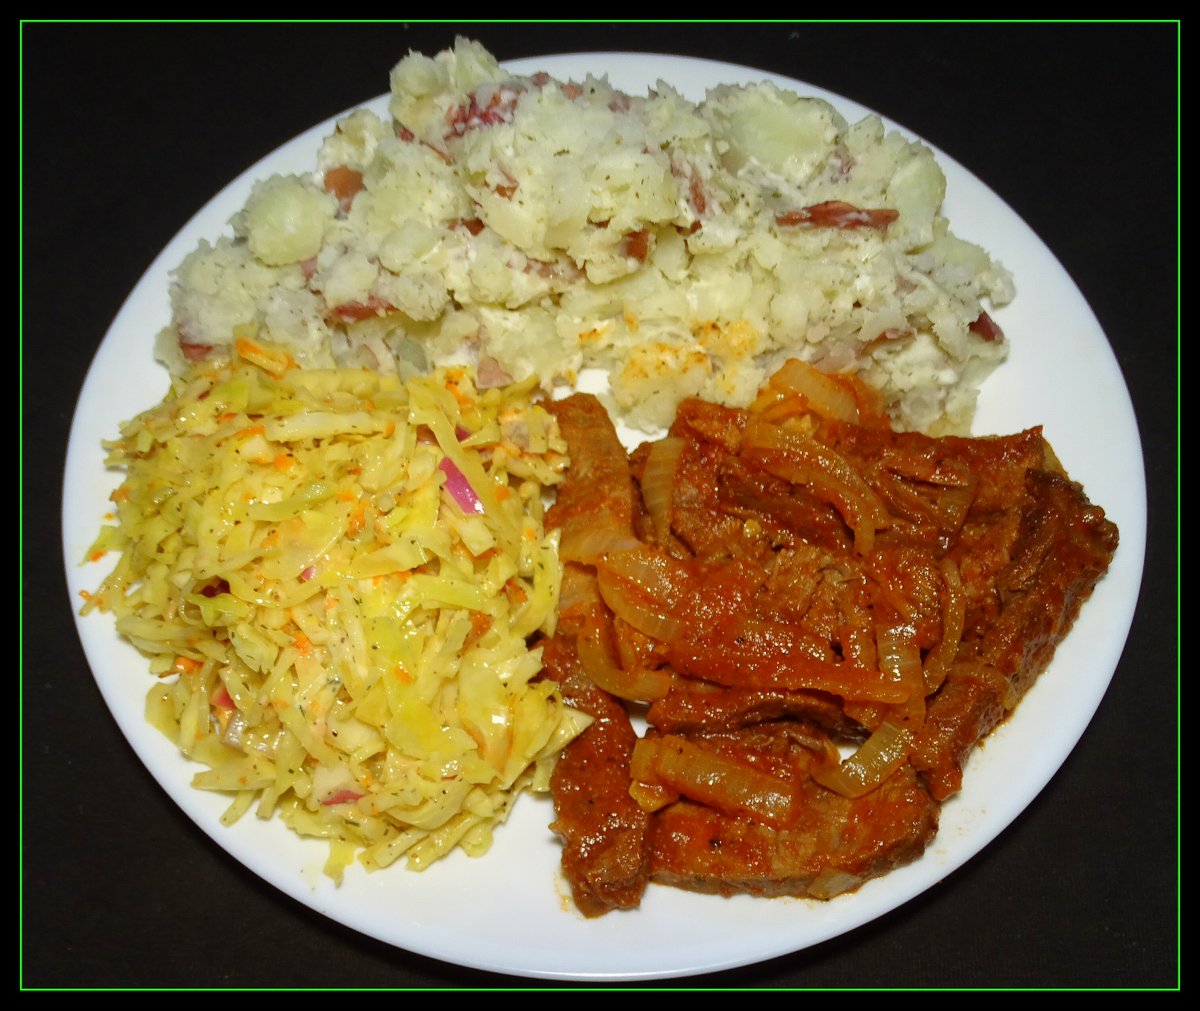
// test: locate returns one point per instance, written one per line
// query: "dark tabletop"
(128, 130)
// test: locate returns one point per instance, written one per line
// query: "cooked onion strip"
(900, 657)
(828, 395)
(954, 614)
(658, 484)
(646, 787)
(989, 676)
(587, 543)
(944, 506)
(879, 756)
(724, 664)
(598, 663)
(714, 779)
(645, 588)
(829, 476)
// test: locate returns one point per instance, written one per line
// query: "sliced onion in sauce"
(878, 757)
(954, 613)
(645, 588)
(600, 665)
(658, 483)
(715, 779)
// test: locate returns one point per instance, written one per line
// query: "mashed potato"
(547, 227)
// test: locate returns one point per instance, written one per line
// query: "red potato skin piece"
(195, 352)
(353, 312)
(472, 115)
(987, 328)
(637, 244)
(837, 214)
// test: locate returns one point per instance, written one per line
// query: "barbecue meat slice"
(1063, 546)
(602, 827)
(796, 561)
(818, 844)
(595, 504)
(836, 844)
(690, 708)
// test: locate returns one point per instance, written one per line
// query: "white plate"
(490, 913)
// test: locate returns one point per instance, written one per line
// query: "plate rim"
(170, 253)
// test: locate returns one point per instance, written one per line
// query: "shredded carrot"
(403, 676)
(186, 665)
(477, 737)
(274, 362)
(461, 397)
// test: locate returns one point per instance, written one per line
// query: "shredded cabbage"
(335, 638)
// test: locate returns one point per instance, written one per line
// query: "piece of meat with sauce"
(1063, 547)
(594, 505)
(1029, 546)
(694, 707)
(602, 827)
(807, 571)
(836, 844)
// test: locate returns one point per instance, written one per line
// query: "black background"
(127, 130)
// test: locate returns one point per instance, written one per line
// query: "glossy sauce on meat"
(602, 827)
(799, 583)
